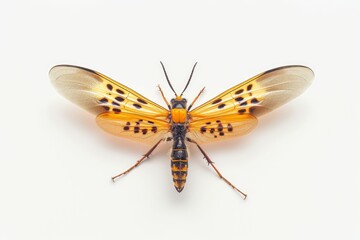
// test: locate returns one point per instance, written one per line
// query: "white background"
(300, 166)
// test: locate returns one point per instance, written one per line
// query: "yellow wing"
(240, 105)
(260, 94)
(135, 127)
(120, 110)
(220, 128)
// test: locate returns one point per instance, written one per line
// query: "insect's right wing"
(120, 110)
(98, 93)
(135, 127)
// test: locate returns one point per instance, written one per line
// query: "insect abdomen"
(179, 156)
(179, 167)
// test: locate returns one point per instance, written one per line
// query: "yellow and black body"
(123, 112)
(179, 154)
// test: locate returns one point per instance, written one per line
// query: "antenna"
(187, 84)
(167, 78)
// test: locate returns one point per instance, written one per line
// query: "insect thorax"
(178, 110)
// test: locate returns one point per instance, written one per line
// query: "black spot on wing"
(138, 106)
(120, 91)
(240, 91)
(136, 129)
(221, 106)
(103, 100)
(254, 100)
(141, 101)
(216, 101)
(120, 99)
(109, 86)
(116, 110)
(203, 129)
(239, 99)
(115, 103)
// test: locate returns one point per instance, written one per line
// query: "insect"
(123, 112)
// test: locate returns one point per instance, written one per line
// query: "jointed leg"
(217, 171)
(163, 96)
(201, 91)
(146, 155)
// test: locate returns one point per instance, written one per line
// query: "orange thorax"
(179, 115)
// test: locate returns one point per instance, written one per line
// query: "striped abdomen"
(179, 167)
(179, 158)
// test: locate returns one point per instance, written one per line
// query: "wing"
(260, 94)
(220, 128)
(234, 112)
(134, 127)
(98, 93)
(119, 109)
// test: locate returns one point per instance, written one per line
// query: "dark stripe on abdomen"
(179, 167)
(179, 156)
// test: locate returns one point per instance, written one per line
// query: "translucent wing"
(258, 95)
(98, 93)
(134, 127)
(234, 112)
(120, 110)
(220, 128)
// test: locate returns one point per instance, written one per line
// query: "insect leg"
(201, 91)
(145, 156)
(217, 171)
(163, 96)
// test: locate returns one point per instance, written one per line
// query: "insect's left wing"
(119, 109)
(213, 129)
(241, 104)
(260, 94)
